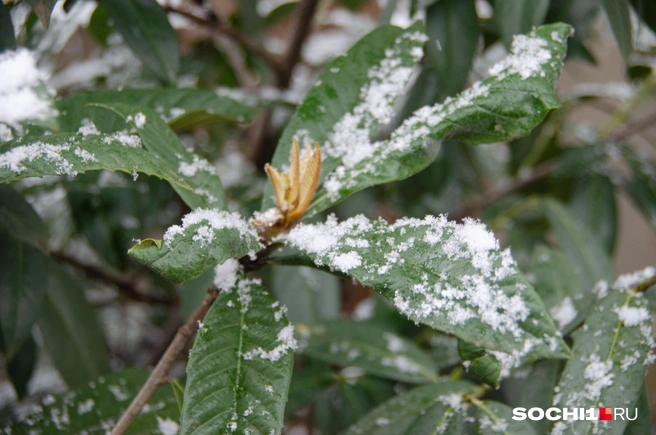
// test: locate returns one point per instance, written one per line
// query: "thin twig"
(161, 370)
(632, 128)
(125, 285)
(301, 30)
(236, 60)
(646, 285)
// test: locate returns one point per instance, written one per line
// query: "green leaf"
(559, 287)
(398, 414)
(583, 249)
(23, 281)
(205, 238)
(70, 154)
(362, 87)
(161, 141)
(181, 108)
(452, 277)
(7, 37)
(646, 10)
(594, 205)
(619, 15)
(507, 105)
(96, 406)
(611, 352)
(70, 330)
(641, 185)
(145, 28)
(514, 17)
(450, 56)
(21, 367)
(310, 295)
(492, 418)
(240, 365)
(18, 218)
(43, 10)
(385, 354)
(308, 380)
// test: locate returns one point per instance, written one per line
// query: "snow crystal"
(633, 316)
(85, 155)
(167, 426)
(88, 127)
(564, 313)
(630, 360)
(18, 88)
(287, 343)
(15, 157)
(139, 119)
(348, 261)
(214, 220)
(528, 55)
(198, 164)
(129, 140)
(600, 376)
(225, 274)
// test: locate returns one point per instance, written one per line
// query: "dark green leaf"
(18, 218)
(486, 368)
(21, 367)
(181, 108)
(377, 352)
(240, 365)
(23, 281)
(593, 204)
(96, 406)
(583, 248)
(7, 38)
(145, 28)
(205, 238)
(310, 295)
(73, 153)
(452, 277)
(165, 145)
(400, 413)
(42, 9)
(646, 10)
(611, 351)
(71, 331)
(100, 28)
(619, 15)
(308, 380)
(451, 56)
(515, 17)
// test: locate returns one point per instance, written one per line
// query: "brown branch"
(645, 285)
(301, 30)
(125, 285)
(632, 128)
(159, 374)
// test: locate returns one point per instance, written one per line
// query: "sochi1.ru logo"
(555, 414)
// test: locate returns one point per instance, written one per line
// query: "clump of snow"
(88, 127)
(139, 119)
(19, 88)
(15, 157)
(129, 140)
(225, 274)
(365, 310)
(528, 55)
(85, 407)
(5, 133)
(564, 313)
(212, 220)
(189, 169)
(633, 316)
(630, 280)
(85, 155)
(600, 375)
(287, 342)
(167, 426)
(394, 342)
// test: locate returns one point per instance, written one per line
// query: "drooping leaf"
(7, 37)
(73, 153)
(514, 17)
(452, 277)
(619, 15)
(23, 281)
(71, 331)
(451, 56)
(145, 28)
(611, 351)
(310, 295)
(181, 108)
(43, 10)
(96, 406)
(161, 141)
(377, 352)
(492, 418)
(594, 205)
(583, 248)
(240, 365)
(205, 238)
(21, 367)
(400, 413)
(18, 218)
(507, 105)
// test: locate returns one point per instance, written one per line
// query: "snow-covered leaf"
(452, 277)
(205, 238)
(95, 407)
(240, 365)
(493, 418)
(181, 108)
(73, 153)
(444, 401)
(611, 352)
(377, 352)
(160, 140)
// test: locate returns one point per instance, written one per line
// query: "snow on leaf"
(453, 277)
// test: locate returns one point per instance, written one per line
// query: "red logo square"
(605, 413)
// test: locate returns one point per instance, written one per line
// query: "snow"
(15, 157)
(21, 100)
(630, 280)
(189, 169)
(287, 342)
(85, 155)
(365, 310)
(402, 363)
(528, 55)
(85, 407)
(633, 316)
(139, 119)
(394, 343)
(225, 274)
(167, 426)
(600, 376)
(452, 400)
(88, 127)
(564, 313)
(382, 421)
